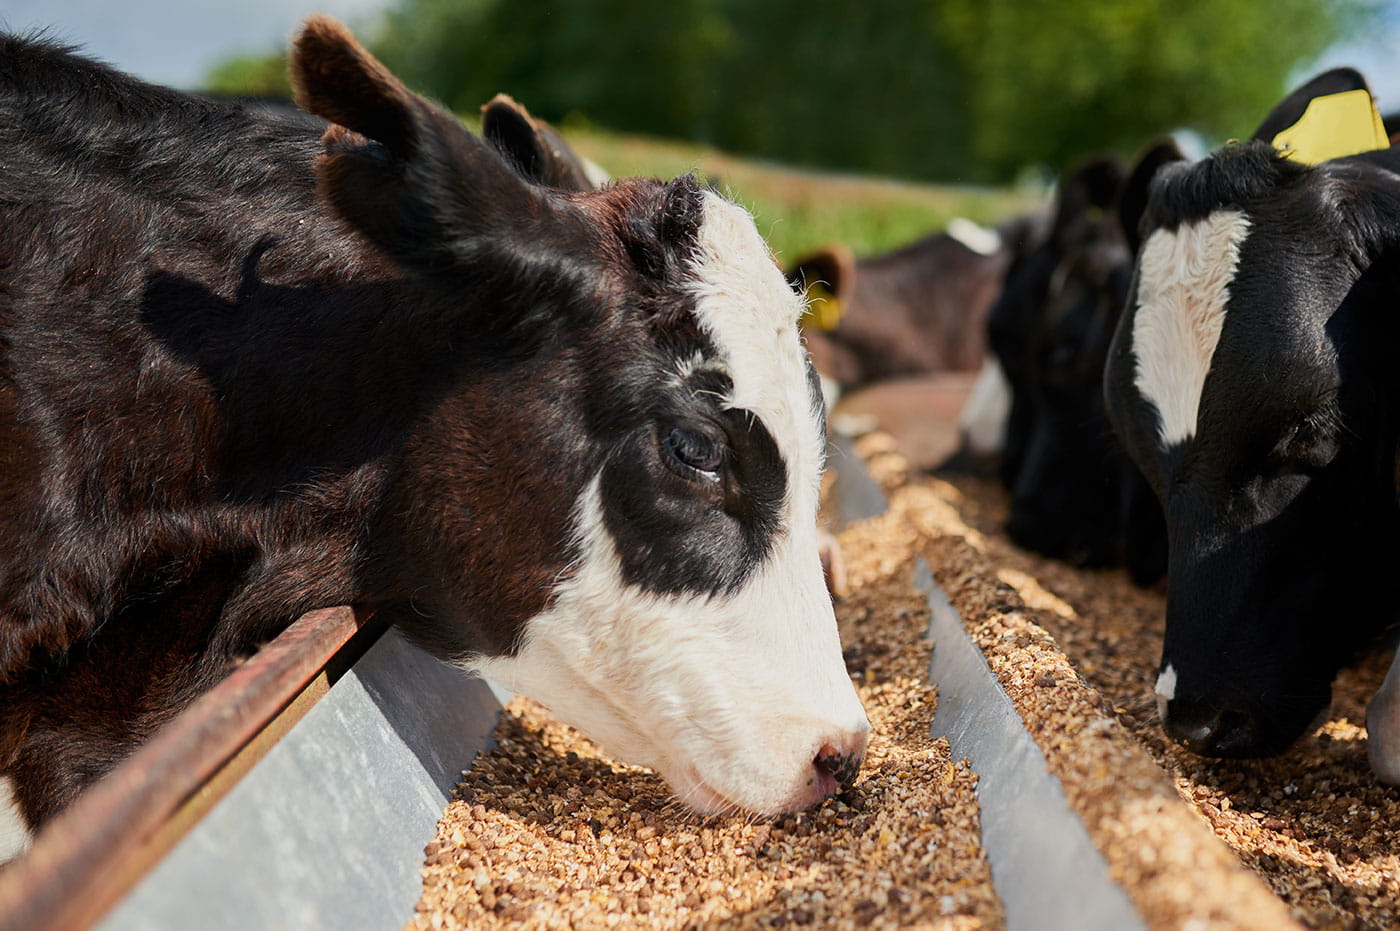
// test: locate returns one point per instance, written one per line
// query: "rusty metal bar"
(96, 849)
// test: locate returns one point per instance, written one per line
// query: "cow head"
(1083, 193)
(1247, 380)
(608, 500)
(1072, 491)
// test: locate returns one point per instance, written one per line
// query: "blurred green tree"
(969, 90)
(845, 85)
(1057, 79)
(628, 64)
(250, 76)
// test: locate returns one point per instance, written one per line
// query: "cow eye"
(1309, 447)
(695, 451)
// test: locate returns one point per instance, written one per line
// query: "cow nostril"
(842, 767)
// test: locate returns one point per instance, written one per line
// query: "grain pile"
(1077, 652)
(546, 832)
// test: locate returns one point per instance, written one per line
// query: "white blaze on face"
(745, 305)
(730, 697)
(1184, 278)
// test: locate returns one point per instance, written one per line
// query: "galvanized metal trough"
(301, 791)
(1047, 870)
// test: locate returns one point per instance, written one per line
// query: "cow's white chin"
(713, 760)
(695, 794)
(700, 797)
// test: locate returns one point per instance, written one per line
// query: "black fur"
(1074, 494)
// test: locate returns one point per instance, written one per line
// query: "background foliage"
(966, 90)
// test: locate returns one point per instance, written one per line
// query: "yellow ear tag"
(1334, 126)
(824, 309)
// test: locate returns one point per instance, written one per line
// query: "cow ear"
(534, 147)
(827, 279)
(831, 268)
(1132, 203)
(1023, 233)
(1085, 193)
(405, 173)
(1290, 109)
(336, 79)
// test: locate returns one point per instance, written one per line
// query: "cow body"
(251, 368)
(1250, 380)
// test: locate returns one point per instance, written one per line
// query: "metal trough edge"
(220, 822)
(1047, 870)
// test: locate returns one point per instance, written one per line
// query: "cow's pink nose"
(840, 761)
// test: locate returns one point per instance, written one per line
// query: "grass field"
(801, 210)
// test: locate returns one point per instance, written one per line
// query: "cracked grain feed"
(546, 832)
(1077, 652)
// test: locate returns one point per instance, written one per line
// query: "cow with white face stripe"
(1250, 380)
(257, 364)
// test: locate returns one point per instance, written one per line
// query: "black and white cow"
(252, 364)
(1251, 379)
(1074, 493)
(1082, 200)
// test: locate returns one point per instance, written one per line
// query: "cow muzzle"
(1235, 730)
(708, 783)
(1208, 730)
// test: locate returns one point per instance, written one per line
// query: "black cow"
(1074, 494)
(1082, 200)
(1250, 379)
(248, 368)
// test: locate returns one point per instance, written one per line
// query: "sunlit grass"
(801, 210)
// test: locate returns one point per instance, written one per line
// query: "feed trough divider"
(1046, 868)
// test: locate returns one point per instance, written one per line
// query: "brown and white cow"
(567, 439)
(917, 310)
